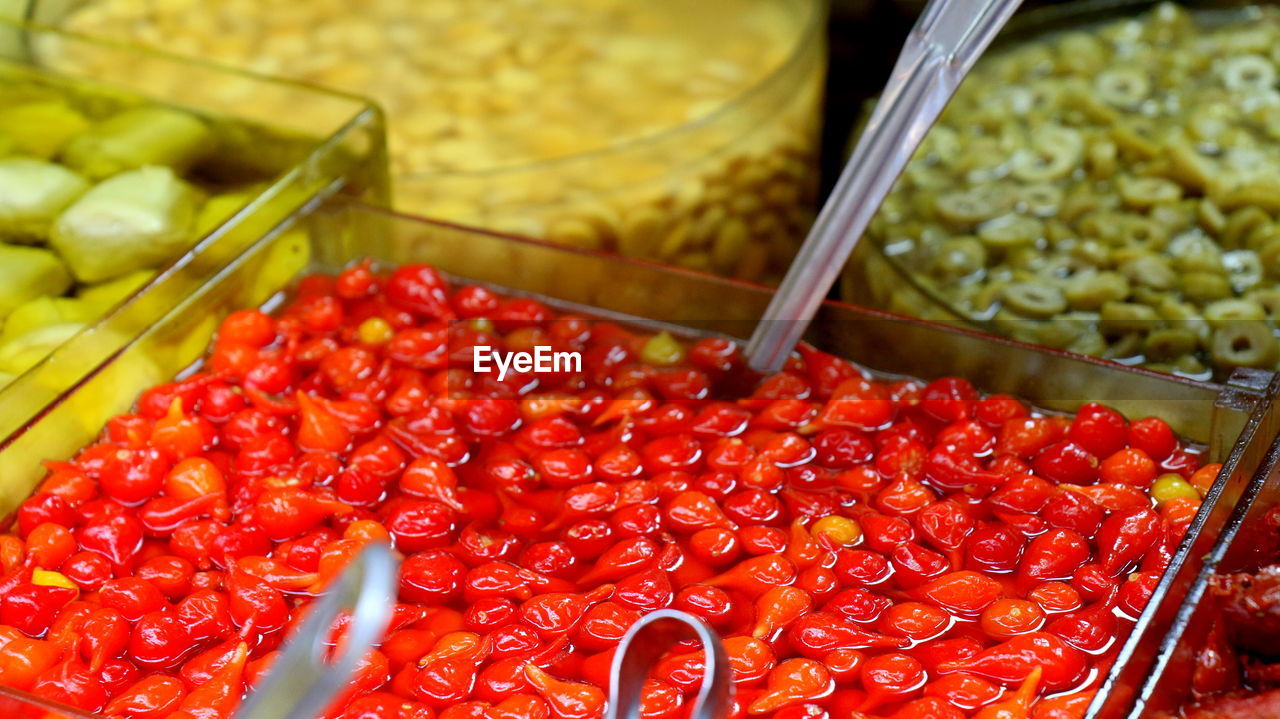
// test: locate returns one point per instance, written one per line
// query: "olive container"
(333, 143)
(1235, 423)
(685, 133)
(1087, 190)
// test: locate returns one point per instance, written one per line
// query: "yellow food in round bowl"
(676, 131)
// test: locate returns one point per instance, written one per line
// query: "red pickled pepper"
(900, 550)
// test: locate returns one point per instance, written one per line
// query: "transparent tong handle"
(941, 49)
(645, 643)
(301, 683)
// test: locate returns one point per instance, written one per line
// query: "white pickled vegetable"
(133, 220)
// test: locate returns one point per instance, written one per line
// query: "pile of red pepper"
(865, 547)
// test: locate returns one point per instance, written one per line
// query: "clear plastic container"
(1236, 423)
(334, 143)
(680, 132)
(1112, 196)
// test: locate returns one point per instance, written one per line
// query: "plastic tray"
(1236, 423)
(334, 142)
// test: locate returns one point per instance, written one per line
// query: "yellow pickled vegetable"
(137, 138)
(662, 349)
(43, 311)
(1172, 486)
(22, 353)
(842, 530)
(218, 209)
(41, 129)
(32, 193)
(105, 295)
(27, 273)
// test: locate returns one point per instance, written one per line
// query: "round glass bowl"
(1104, 186)
(684, 133)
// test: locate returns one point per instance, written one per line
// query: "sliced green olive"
(1125, 346)
(1196, 253)
(1151, 271)
(1169, 343)
(1123, 87)
(1128, 317)
(970, 207)
(1248, 73)
(1041, 199)
(959, 257)
(1244, 344)
(1054, 152)
(1268, 299)
(1010, 231)
(1033, 299)
(1205, 286)
(1145, 192)
(1090, 290)
(1224, 312)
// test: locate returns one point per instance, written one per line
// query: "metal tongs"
(941, 49)
(301, 683)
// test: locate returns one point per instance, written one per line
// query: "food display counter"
(1232, 425)
(1006, 490)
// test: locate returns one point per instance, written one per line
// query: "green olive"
(1145, 192)
(1169, 343)
(1268, 299)
(1269, 256)
(1120, 317)
(1126, 176)
(1081, 53)
(959, 257)
(1090, 290)
(1065, 330)
(1214, 222)
(1125, 346)
(1041, 199)
(1054, 152)
(1205, 286)
(1151, 271)
(1033, 299)
(1248, 74)
(1101, 157)
(1089, 343)
(1196, 253)
(1123, 87)
(1244, 344)
(1010, 231)
(970, 207)
(1224, 312)
(1140, 232)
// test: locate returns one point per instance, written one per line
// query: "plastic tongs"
(301, 683)
(941, 49)
(645, 643)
